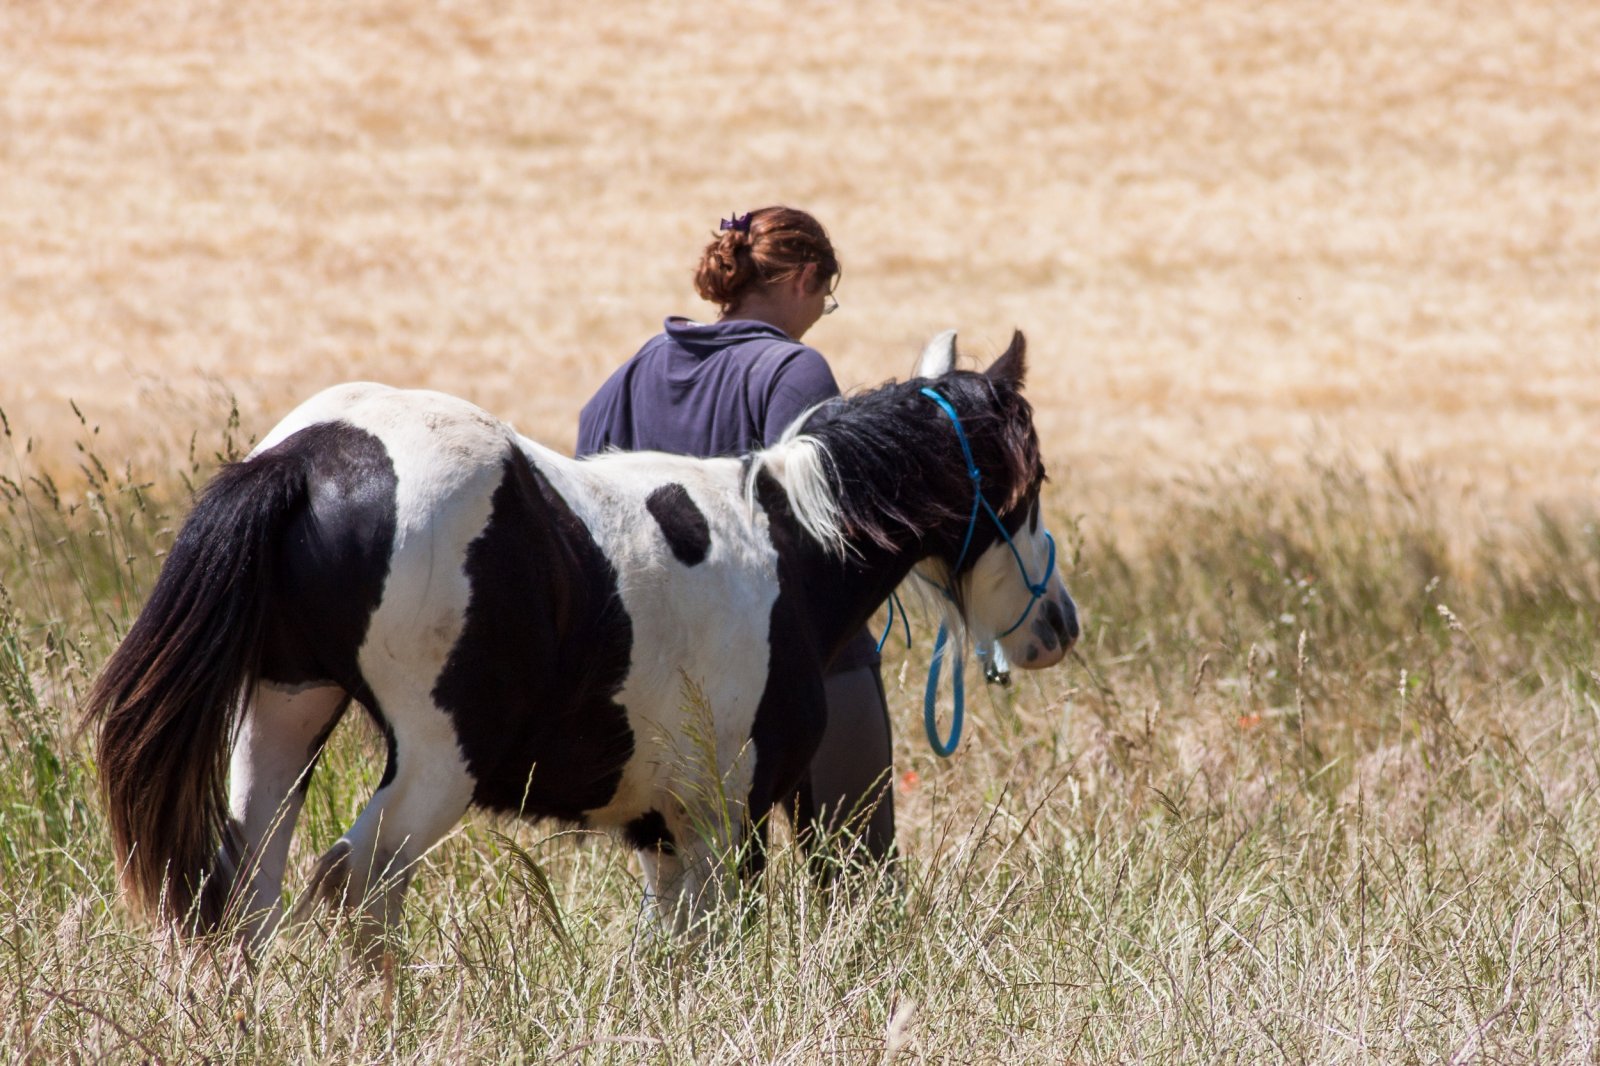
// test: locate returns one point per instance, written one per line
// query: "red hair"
(777, 244)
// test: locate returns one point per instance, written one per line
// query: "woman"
(732, 387)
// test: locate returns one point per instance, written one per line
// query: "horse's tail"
(170, 698)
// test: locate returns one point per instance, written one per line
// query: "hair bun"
(758, 248)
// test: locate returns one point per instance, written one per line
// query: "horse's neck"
(840, 594)
(844, 594)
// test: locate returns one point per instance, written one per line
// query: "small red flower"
(909, 780)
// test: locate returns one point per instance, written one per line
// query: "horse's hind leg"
(280, 733)
(425, 792)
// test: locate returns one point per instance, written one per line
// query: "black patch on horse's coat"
(792, 712)
(685, 527)
(332, 561)
(392, 760)
(531, 683)
(649, 832)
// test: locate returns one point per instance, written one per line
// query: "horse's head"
(944, 468)
(1000, 569)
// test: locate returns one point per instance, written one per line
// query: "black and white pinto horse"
(521, 626)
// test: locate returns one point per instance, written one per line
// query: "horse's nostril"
(1069, 628)
(1063, 618)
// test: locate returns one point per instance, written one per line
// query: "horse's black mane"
(895, 463)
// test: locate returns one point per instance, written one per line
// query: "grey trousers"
(850, 782)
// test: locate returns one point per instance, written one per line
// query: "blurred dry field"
(1320, 783)
(1237, 233)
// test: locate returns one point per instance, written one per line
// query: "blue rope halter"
(945, 748)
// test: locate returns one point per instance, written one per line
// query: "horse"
(521, 627)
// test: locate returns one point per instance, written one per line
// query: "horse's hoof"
(330, 882)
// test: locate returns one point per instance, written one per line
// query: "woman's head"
(768, 247)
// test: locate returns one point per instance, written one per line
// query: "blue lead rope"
(894, 599)
(945, 748)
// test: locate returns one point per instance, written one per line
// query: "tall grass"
(1320, 785)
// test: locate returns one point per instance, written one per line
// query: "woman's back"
(724, 388)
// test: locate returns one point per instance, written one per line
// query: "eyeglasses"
(830, 304)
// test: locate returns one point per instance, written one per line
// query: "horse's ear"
(939, 357)
(1012, 365)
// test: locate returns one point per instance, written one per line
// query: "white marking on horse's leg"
(706, 812)
(693, 879)
(277, 741)
(704, 880)
(663, 872)
(369, 868)
(685, 885)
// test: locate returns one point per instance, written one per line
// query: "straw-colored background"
(1232, 231)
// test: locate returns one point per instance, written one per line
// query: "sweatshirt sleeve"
(801, 381)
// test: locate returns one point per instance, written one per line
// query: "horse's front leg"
(682, 885)
(695, 865)
(690, 883)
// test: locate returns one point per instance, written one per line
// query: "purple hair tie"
(739, 223)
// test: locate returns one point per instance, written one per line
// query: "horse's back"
(434, 434)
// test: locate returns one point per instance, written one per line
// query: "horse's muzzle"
(1053, 631)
